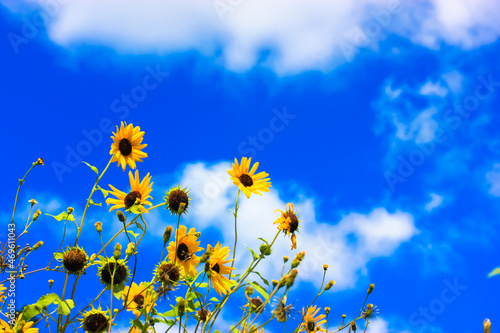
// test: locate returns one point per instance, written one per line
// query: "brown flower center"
(139, 300)
(216, 268)
(183, 252)
(95, 322)
(107, 273)
(131, 198)
(294, 221)
(125, 147)
(169, 273)
(74, 260)
(310, 325)
(177, 197)
(246, 180)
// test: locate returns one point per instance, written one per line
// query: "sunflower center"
(139, 300)
(95, 322)
(169, 273)
(125, 147)
(183, 252)
(246, 180)
(216, 268)
(74, 260)
(177, 197)
(294, 221)
(310, 325)
(131, 198)
(120, 273)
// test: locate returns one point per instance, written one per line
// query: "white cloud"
(431, 88)
(376, 234)
(421, 129)
(454, 81)
(436, 201)
(493, 178)
(308, 35)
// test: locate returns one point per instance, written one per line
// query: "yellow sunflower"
(18, 327)
(288, 222)
(126, 146)
(139, 190)
(311, 323)
(184, 255)
(138, 297)
(246, 179)
(3, 291)
(216, 266)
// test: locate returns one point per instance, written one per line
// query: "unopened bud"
(275, 283)
(353, 326)
(37, 245)
(181, 307)
(327, 310)
(285, 259)
(118, 251)
(487, 325)
(21, 276)
(120, 215)
(37, 214)
(130, 249)
(182, 208)
(325, 267)
(98, 226)
(70, 210)
(32, 202)
(249, 290)
(92, 257)
(290, 279)
(167, 234)
(51, 282)
(370, 288)
(207, 254)
(329, 285)
(344, 316)
(39, 161)
(265, 249)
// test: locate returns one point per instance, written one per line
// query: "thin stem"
(235, 213)
(21, 182)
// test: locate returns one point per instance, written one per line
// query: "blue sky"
(377, 119)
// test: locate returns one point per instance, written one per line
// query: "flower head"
(19, 326)
(177, 200)
(74, 259)
(138, 297)
(139, 193)
(283, 311)
(312, 322)
(112, 269)
(289, 223)
(216, 267)
(126, 147)
(245, 178)
(95, 321)
(183, 250)
(167, 273)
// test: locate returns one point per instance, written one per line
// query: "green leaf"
(201, 285)
(254, 255)
(494, 272)
(214, 299)
(93, 168)
(259, 289)
(59, 256)
(34, 309)
(138, 225)
(264, 280)
(118, 290)
(65, 307)
(132, 233)
(91, 202)
(262, 239)
(63, 216)
(135, 210)
(104, 192)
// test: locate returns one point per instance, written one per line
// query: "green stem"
(21, 182)
(235, 213)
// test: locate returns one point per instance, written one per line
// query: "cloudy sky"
(377, 119)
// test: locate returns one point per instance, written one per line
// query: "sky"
(376, 119)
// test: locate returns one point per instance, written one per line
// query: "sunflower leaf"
(262, 239)
(259, 289)
(494, 272)
(214, 299)
(135, 210)
(138, 225)
(254, 255)
(63, 216)
(65, 306)
(132, 233)
(93, 168)
(91, 202)
(104, 192)
(59, 256)
(264, 280)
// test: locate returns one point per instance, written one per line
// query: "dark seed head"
(95, 322)
(294, 221)
(169, 273)
(246, 180)
(175, 198)
(74, 260)
(183, 252)
(130, 198)
(107, 273)
(139, 300)
(216, 268)
(125, 147)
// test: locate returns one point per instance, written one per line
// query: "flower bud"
(285, 259)
(167, 234)
(51, 282)
(120, 215)
(37, 214)
(32, 202)
(182, 208)
(344, 316)
(70, 210)
(298, 258)
(248, 290)
(39, 161)
(275, 283)
(37, 245)
(327, 309)
(329, 285)
(487, 325)
(265, 249)
(353, 326)
(21, 276)
(370, 288)
(207, 254)
(181, 306)
(118, 251)
(98, 226)
(130, 249)
(290, 279)
(325, 267)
